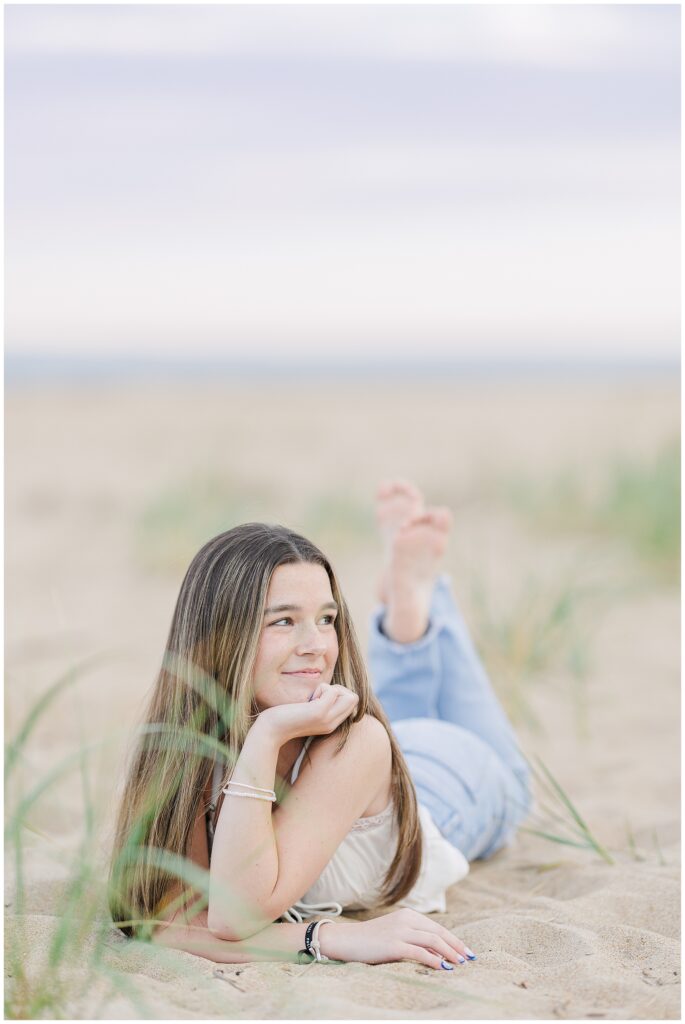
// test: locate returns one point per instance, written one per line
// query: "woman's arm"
(276, 942)
(244, 863)
(262, 862)
(401, 935)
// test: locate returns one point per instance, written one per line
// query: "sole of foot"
(417, 550)
(397, 502)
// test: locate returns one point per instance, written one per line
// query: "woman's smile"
(298, 631)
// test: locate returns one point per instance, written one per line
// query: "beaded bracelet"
(251, 796)
(255, 792)
(246, 785)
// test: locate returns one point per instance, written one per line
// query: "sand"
(94, 561)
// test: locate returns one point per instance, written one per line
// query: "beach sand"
(110, 490)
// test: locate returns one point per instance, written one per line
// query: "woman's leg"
(441, 676)
(474, 798)
(466, 696)
(407, 677)
(459, 746)
(466, 762)
(404, 654)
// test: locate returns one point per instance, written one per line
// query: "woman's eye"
(327, 620)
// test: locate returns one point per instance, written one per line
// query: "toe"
(407, 488)
(418, 519)
(441, 517)
(385, 489)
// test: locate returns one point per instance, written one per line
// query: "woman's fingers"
(345, 701)
(452, 940)
(445, 950)
(427, 925)
(332, 705)
(424, 956)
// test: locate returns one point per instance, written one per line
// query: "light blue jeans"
(458, 743)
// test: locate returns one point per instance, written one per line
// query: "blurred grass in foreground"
(83, 964)
(73, 962)
(637, 503)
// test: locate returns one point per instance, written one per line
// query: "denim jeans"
(457, 741)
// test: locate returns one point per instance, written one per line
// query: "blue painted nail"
(445, 966)
(470, 955)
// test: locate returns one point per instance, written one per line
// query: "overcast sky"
(325, 182)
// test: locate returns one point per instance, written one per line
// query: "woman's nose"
(310, 641)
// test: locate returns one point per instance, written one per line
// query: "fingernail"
(445, 966)
(470, 955)
(461, 958)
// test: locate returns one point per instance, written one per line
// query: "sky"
(330, 183)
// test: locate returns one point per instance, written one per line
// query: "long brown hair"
(203, 705)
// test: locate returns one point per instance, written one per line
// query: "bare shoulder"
(364, 763)
(369, 730)
(368, 742)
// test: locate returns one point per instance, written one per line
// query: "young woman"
(267, 761)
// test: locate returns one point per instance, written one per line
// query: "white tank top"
(354, 875)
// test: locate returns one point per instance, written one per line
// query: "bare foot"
(417, 549)
(397, 501)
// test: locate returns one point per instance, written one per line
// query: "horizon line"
(36, 367)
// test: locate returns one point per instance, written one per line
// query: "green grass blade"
(553, 838)
(206, 746)
(562, 796)
(43, 703)
(551, 786)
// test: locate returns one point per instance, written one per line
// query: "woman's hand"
(321, 715)
(402, 935)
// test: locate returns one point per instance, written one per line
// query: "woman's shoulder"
(368, 737)
(370, 729)
(366, 753)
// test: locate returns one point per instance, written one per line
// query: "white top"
(354, 875)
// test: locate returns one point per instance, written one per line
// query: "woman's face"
(298, 647)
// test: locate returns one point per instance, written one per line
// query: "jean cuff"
(379, 638)
(442, 601)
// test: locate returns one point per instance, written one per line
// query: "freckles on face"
(298, 645)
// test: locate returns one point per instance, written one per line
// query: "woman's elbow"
(232, 930)
(222, 929)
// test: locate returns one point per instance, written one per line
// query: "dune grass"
(81, 955)
(82, 966)
(632, 846)
(556, 818)
(636, 503)
(657, 848)
(174, 524)
(337, 520)
(641, 853)
(77, 942)
(546, 632)
(74, 961)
